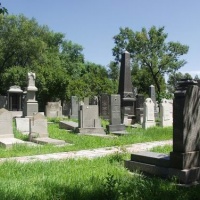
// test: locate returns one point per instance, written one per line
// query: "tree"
(174, 78)
(3, 10)
(150, 51)
(27, 46)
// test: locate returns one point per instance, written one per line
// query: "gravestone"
(74, 107)
(30, 105)
(93, 100)
(89, 121)
(54, 109)
(23, 125)
(3, 101)
(86, 101)
(165, 113)
(115, 115)
(66, 108)
(139, 108)
(125, 88)
(68, 125)
(152, 95)
(149, 118)
(104, 106)
(39, 131)
(6, 130)
(184, 161)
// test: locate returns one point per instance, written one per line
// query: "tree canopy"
(150, 53)
(59, 64)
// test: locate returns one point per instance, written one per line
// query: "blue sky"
(93, 23)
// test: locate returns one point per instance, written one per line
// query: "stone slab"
(9, 142)
(47, 140)
(68, 125)
(91, 130)
(115, 128)
(158, 159)
(119, 133)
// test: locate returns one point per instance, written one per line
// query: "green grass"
(81, 142)
(103, 178)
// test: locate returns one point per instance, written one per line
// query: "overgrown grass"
(80, 142)
(103, 178)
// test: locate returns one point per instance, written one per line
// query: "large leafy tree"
(174, 78)
(150, 52)
(3, 10)
(27, 46)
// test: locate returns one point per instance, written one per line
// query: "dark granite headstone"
(125, 87)
(184, 160)
(186, 126)
(139, 108)
(104, 106)
(74, 107)
(115, 114)
(93, 100)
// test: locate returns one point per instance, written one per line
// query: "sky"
(93, 23)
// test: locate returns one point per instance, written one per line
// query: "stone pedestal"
(30, 105)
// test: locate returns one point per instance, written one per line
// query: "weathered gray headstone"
(104, 106)
(53, 109)
(39, 132)
(30, 105)
(125, 87)
(89, 121)
(115, 114)
(66, 108)
(23, 125)
(139, 108)
(74, 107)
(149, 118)
(152, 95)
(6, 130)
(165, 113)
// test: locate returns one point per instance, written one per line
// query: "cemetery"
(85, 123)
(69, 130)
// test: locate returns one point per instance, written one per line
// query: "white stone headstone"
(148, 117)
(165, 113)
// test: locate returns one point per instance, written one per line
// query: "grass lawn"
(87, 179)
(81, 142)
(101, 178)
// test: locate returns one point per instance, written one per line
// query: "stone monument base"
(10, 142)
(96, 130)
(47, 140)
(159, 165)
(114, 128)
(30, 109)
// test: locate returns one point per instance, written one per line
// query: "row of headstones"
(35, 127)
(166, 113)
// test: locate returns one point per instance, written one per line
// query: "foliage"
(149, 51)
(3, 10)
(174, 78)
